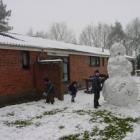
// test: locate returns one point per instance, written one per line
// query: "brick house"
(25, 61)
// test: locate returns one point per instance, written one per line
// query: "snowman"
(119, 89)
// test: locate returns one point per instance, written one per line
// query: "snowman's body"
(119, 89)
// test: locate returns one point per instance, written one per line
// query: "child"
(73, 90)
(49, 91)
(96, 88)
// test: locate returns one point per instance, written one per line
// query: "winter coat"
(72, 89)
(96, 84)
(49, 88)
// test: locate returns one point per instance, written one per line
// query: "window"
(65, 69)
(94, 61)
(25, 59)
(65, 66)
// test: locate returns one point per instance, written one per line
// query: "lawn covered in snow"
(70, 121)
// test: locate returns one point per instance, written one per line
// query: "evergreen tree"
(4, 14)
(117, 34)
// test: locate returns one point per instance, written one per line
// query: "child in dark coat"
(73, 90)
(96, 88)
(49, 91)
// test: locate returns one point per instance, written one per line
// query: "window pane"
(25, 59)
(65, 68)
(94, 61)
(65, 77)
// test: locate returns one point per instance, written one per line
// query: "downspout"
(34, 77)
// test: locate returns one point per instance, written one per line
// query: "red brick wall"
(54, 72)
(13, 78)
(16, 80)
(80, 68)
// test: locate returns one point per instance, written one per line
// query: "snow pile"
(119, 89)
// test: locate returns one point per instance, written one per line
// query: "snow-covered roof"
(24, 41)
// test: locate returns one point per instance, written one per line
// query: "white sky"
(40, 14)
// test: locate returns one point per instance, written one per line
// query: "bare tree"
(101, 33)
(95, 36)
(133, 34)
(86, 37)
(60, 32)
(41, 34)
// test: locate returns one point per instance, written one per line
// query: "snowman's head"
(117, 49)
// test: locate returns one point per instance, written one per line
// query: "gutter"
(49, 49)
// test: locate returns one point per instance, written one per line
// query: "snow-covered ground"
(42, 121)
